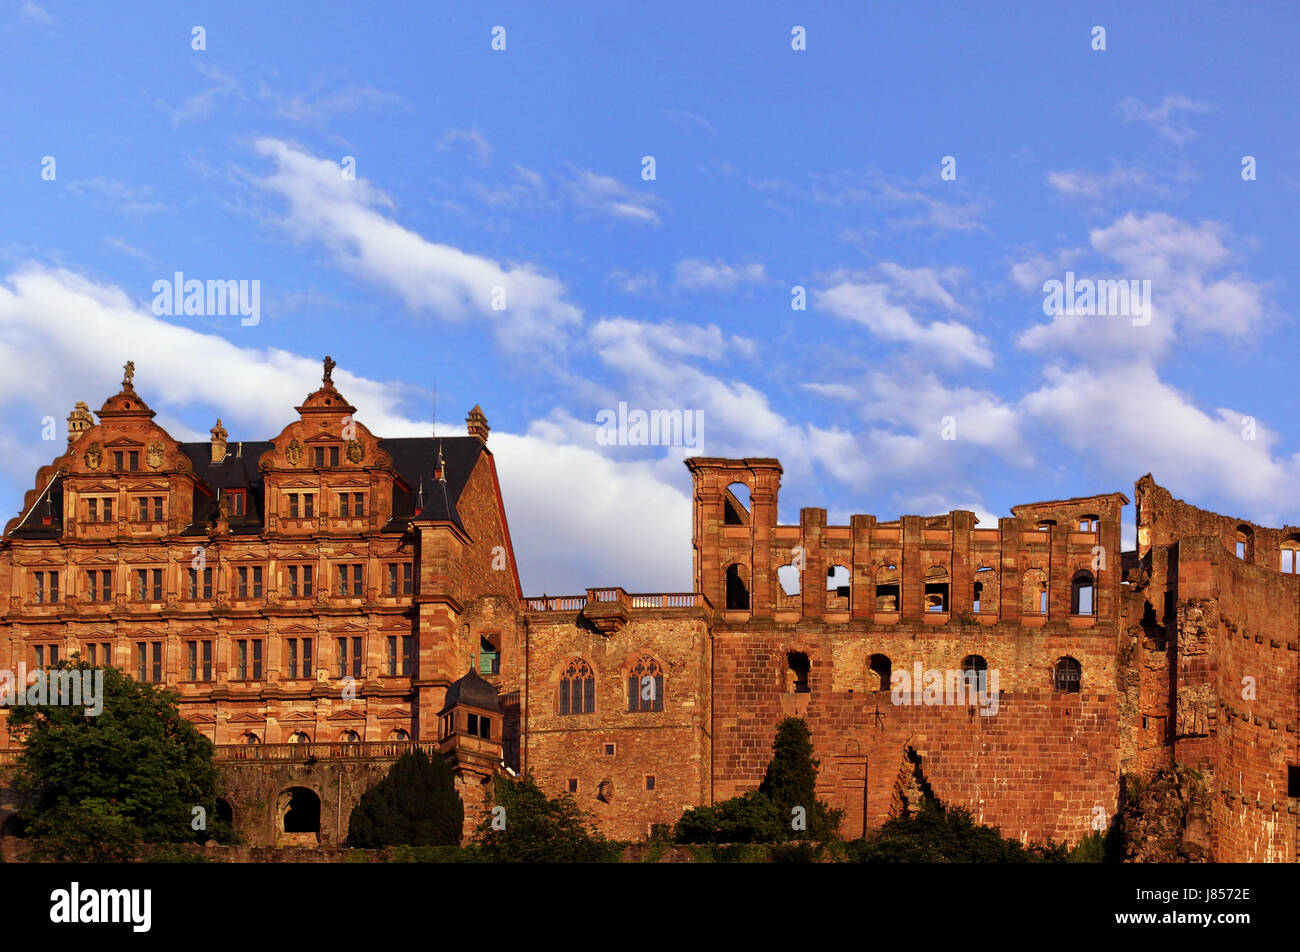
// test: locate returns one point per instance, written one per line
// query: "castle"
(326, 599)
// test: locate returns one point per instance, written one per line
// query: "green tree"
(136, 766)
(791, 782)
(530, 827)
(749, 818)
(416, 804)
(944, 834)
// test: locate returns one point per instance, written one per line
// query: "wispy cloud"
(607, 197)
(693, 274)
(317, 107)
(118, 196)
(1164, 116)
(469, 143)
(221, 85)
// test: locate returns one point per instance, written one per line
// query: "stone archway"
(297, 817)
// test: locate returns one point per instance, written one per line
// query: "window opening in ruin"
(1046, 524)
(837, 588)
(985, 586)
(882, 669)
(1291, 556)
(787, 576)
(975, 668)
(737, 590)
(1082, 591)
(735, 505)
(1088, 523)
(1293, 781)
(796, 676)
(1245, 543)
(887, 589)
(936, 589)
(1068, 675)
(303, 812)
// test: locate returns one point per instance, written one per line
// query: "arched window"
(1082, 594)
(986, 589)
(250, 738)
(398, 734)
(882, 670)
(645, 686)
(577, 688)
(787, 577)
(298, 737)
(936, 589)
(1291, 556)
(735, 505)
(737, 590)
(1067, 675)
(1245, 543)
(796, 672)
(349, 737)
(975, 669)
(837, 588)
(887, 590)
(489, 654)
(1033, 592)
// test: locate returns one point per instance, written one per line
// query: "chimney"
(218, 442)
(79, 421)
(477, 423)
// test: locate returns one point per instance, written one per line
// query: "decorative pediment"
(348, 715)
(296, 630)
(199, 718)
(41, 561)
(394, 714)
(246, 717)
(296, 716)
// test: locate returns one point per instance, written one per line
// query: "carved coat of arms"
(293, 452)
(154, 455)
(94, 455)
(356, 451)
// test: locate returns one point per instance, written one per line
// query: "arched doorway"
(297, 817)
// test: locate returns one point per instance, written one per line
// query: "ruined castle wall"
(673, 745)
(1038, 767)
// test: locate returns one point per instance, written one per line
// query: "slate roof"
(473, 691)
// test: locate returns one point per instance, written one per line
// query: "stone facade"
(1022, 670)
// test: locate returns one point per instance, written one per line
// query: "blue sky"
(522, 169)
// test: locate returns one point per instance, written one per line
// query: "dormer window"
(238, 501)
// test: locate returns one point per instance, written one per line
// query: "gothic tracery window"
(645, 686)
(577, 688)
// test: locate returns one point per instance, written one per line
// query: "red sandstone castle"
(323, 600)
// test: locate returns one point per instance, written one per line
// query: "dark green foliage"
(751, 818)
(943, 834)
(791, 782)
(90, 786)
(539, 829)
(434, 854)
(416, 804)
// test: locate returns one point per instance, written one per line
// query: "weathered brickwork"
(1029, 671)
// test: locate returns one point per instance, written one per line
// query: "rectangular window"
(107, 507)
(141, 584)
(308, 505)
(118, 457)
(358, 504)
(351, 579)
(318, 456)
(573, 785)
(92, 510)
(350, 657)
(248, 659)
(148, 661)
(133, 457)
(650, 782)
(293, 505)
(198, 586)
(300, 581)
(45, 587)
(334, 455)
(343, 505)
(399, 654)
(47, 653)
(485, 728)
(100, 654)
(157, 508)
(472, 724)
(198, 661)
(398, 580)
(238, 502)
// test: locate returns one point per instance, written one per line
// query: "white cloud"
(696, 275)
(467, 142)
(608, 197)
(1164, 115)
(870, 304)
(315, 108)
(201, 104)
(347, 218)
(117, 196)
